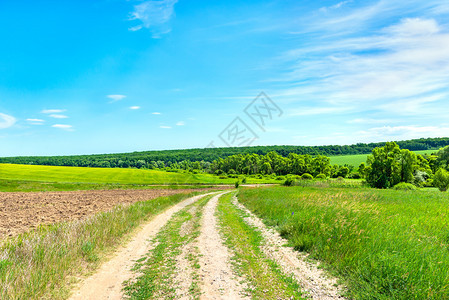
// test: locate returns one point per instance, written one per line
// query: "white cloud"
(156, 113)
(6, 121)
(414, 26)
(56, 116)
(134, 107)
(336, 6)
(116, 97)
(36, 121)
(165, 127)
(403, 132)
(180, 123)
(371, 121)
(403, 69)
(52, 111)
(154, 15)
(63, 126)
(135, 28)
(311, 111)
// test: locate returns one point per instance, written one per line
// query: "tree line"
(168, 158)
(390, 165)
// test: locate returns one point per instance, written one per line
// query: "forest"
(201, 158)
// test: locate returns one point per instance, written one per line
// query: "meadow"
(384, 244)
(46, 178)
(356, 159)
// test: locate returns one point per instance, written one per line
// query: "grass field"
(357, 159)
(385, 244)
(32, 177)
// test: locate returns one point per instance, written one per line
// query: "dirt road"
(183, 254)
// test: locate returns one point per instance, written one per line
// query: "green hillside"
(356, 160)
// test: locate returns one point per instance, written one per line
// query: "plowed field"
(20, 212)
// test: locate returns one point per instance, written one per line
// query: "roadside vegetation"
(385, 244)
(40, 264)
(263, 277)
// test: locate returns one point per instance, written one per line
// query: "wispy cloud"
(134, 107)
(403, 132)
(63, 126)
(156, 113)
(180, 123)
(52, 111)
(116, 97)
(401, 68)
(164, 127)
(335, 6)
(36, 121)
(154, 15)
(6, 121)
(57, 116)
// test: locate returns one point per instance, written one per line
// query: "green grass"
(356, 159)
(385, 244)
(38, 186)
(39, 264)
(264, 277)
(52, 174)
(158, 268)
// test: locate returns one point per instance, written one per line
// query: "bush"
(441, 180)
(306, 176)
(355, 175)
(280, 178)
(404, 186)
(237, 184)
(320, 176)
(289, 181)
(244, 180)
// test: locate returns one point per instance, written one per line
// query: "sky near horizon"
(105, 76)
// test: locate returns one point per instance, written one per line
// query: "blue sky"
(103, 76)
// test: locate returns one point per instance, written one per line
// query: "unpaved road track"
(106, 283)
(217, 277)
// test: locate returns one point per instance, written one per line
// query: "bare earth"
(313, 280)
(106, 283)
(20, 212)
(218, 281)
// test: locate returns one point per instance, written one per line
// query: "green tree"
(441, 179)
(383, 169)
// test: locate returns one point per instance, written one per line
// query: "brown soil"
(217, 279)
(20, 212)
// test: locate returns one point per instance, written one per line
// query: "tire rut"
(217, 279)
(106, 282)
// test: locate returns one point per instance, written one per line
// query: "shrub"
(355, 175)
(289, 181)
(306, 176)
(244, 180)
(237, 184)
(404, 186)
(320, 176)
(280, 178)
(441, 180)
